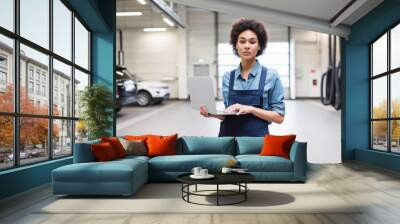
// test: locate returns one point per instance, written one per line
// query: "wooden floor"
(378, 189)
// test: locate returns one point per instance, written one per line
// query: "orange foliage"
(33, 130)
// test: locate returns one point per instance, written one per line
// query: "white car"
(150, 92)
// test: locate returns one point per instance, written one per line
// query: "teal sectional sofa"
(125, 176)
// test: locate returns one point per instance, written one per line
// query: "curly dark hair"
(244, 24)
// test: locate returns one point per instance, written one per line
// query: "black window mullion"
(50, 81)
(73, 81)
(16, 84)
(371, 97)
(389, 138)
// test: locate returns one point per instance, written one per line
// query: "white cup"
(203, 172)
(226, 170)
(196, 171)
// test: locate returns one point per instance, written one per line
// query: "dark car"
(118, 105)
(126, 88)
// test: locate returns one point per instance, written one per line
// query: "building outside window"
(30, 72)
(385, 94)
(37, 74)
(30, 87)
(43, 90)
(43, 78)
(3, 78)
(3, 72)
(34, 82)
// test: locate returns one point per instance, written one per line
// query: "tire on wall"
(144, 98)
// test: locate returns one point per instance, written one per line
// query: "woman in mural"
(252, 91)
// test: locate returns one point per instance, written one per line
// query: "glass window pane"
(33, 139)
(81, 81)
(62, 138)
(81, 131)
(81, 45)
(34, 97)
(395, 94)
(379, 98)
(395, 136)
(7, 14)
(35, 21)
(379, 55)
(379, 135)
(62, 89)
(62, 29)
(6, 142)
(6, 74)
(395, 47)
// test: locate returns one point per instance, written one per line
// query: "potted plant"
(96, 102)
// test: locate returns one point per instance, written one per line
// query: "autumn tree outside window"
(39, 90)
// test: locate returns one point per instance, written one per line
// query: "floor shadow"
(255, 198)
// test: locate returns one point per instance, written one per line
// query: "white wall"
(152, 55)
(201, 40)
(311, 60)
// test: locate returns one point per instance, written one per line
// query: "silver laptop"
(201, 91)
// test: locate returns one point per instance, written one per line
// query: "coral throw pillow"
(277, 145)
(103, 152)
(161, 145)
(116, 145)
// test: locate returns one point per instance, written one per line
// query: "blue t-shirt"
(273, 92)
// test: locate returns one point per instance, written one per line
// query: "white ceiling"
(320, 9)
(314, 15)
(152, 16)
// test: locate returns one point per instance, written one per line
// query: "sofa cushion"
(134, 147)
(132, 158)
(277, 145)
(103, 152)
(185, 163)
(112, 171)
(249, 145)
(83, 152)
(192, 145)
(161, 145)
(257, 163)
(116, 145)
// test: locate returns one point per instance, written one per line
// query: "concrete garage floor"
(312, 122)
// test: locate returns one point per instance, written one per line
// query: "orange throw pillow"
(277, 145)
(161, 145)
(136, 137)
(103, 152)
(116, 145)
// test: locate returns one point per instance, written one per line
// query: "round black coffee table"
(238, 179)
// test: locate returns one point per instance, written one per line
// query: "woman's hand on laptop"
(203, 111)
(239, 109)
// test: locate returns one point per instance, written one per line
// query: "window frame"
(15, 72)
(388, 74)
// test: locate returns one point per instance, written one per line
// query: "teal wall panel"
(99, 16)
(24, 178)
(103, 53)
(355, 114)
(376, 158)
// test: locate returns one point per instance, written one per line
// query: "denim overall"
(245, 124)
